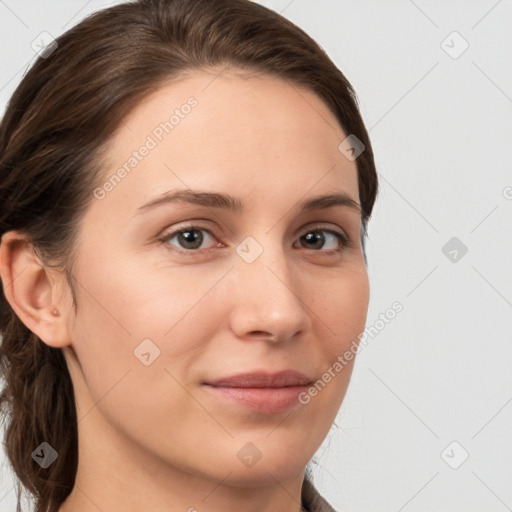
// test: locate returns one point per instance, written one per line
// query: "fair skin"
(156, 437)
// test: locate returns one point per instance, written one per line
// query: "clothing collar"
(312, 501)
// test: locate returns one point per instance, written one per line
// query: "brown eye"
(191, 238)
(316, 240)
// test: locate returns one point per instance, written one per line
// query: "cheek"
(338, 305)
(122, 304)
(341, 305)
(119, 307)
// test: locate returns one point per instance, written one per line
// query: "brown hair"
(57, 122)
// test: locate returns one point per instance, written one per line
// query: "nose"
(268, 301)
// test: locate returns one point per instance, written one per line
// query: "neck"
(114, 474)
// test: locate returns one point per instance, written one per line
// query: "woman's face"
(265, 286)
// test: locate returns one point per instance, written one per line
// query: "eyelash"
(345, 240)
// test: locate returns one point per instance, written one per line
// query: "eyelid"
(187, 225)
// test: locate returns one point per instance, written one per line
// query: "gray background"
(434, 385)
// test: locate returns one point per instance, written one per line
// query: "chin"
(268, 466)
(262, 474)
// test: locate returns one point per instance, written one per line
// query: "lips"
(285, 378)
(262, 392)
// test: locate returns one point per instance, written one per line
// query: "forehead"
(231, 131)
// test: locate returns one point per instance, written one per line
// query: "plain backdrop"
(426, 423)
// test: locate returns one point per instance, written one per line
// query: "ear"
(30, 289)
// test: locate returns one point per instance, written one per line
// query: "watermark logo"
(455, 455)
(146, 352)
(454, 249)
(44, 44)
(351, 147)
(249, 249)
(454, 45)
(249, 454)
(45, 455)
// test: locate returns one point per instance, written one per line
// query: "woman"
(185, 187)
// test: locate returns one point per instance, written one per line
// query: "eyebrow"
(227, 202)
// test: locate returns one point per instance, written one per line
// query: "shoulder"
(312, 501)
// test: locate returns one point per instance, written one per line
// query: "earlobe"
(28, 288)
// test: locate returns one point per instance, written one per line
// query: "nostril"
(263, 334)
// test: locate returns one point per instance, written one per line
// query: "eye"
(189, 239)
(316, 239)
